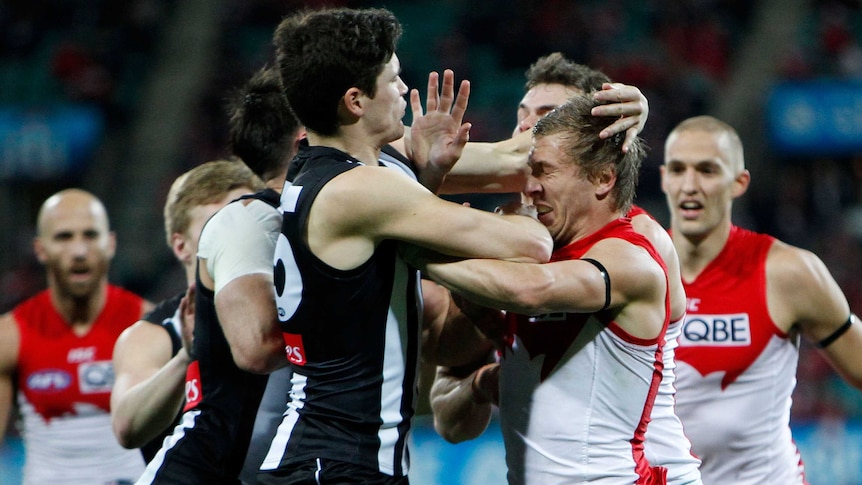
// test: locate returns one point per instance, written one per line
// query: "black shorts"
(328, 472)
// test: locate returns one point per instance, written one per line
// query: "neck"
(589, 225)
(357, 147)
(696, 252)
(80, 312)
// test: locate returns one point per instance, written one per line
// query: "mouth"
(690, 209)
(542, 211)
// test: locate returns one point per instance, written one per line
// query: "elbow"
(125, 434)
(261, 361)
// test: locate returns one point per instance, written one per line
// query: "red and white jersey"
(736, 371)
(64, 389)
(666, 443)
(576, 391)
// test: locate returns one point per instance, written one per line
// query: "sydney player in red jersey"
(55, 350)
(750, 297)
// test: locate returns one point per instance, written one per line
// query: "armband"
(604, 273)
(836, 334)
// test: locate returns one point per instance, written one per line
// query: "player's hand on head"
(628, 105)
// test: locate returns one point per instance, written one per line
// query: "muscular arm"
(574, 286)
(236, 248)
(149, 385)
(400, 209)
(9, 343)
(801, 293)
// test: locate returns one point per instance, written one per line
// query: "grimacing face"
(700, 181)
(558, 189)
(75, 245)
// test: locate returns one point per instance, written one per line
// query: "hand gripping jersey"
(352, 339)
(576, 391)
(737, 370)
(210, 443)
(64, 390)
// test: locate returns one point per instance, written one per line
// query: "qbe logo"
(96, 377)
(716, 330)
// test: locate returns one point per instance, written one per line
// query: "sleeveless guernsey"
(64, 383)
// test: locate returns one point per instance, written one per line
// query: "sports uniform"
(736, 371)
(209, 445)
(64, 389)
(663, 443)
(353, 343)
(576, 390)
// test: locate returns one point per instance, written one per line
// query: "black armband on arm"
(607, 279)
(836, 334)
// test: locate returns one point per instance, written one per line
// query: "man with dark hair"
(348, 304)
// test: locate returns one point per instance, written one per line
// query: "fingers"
(433, 95)
(631, 136)
(448, 95)
(619, 126)
(415, 103)
(461, 102)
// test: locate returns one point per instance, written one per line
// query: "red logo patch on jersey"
(194, 393)
(293, 348)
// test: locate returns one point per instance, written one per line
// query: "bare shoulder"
(801, 291)
(143, 338)
(10, 340)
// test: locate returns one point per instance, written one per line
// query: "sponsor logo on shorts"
(716, 330)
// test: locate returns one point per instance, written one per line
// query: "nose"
(532, 188)
(689, 181)
(402, 86)
(527, 123)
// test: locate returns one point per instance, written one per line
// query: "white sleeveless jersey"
(81, 449)
(663, 443)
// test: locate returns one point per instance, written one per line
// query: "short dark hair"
(579, 133)
(323, 53)
(556, 69)
(262, 125)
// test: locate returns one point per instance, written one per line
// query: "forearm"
(142, 411)
(458, 416)
(489, 167)
(7, 391)
(248, 316)
(503, 285)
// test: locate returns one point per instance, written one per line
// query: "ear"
(39, 250)
(605, 181)
(353, 102)
(180, 248)
(112, 244)
(740, 183)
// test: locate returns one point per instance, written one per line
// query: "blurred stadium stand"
(119, 97)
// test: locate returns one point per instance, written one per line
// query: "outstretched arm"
(502, 166)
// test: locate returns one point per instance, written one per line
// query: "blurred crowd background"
(119, 97)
